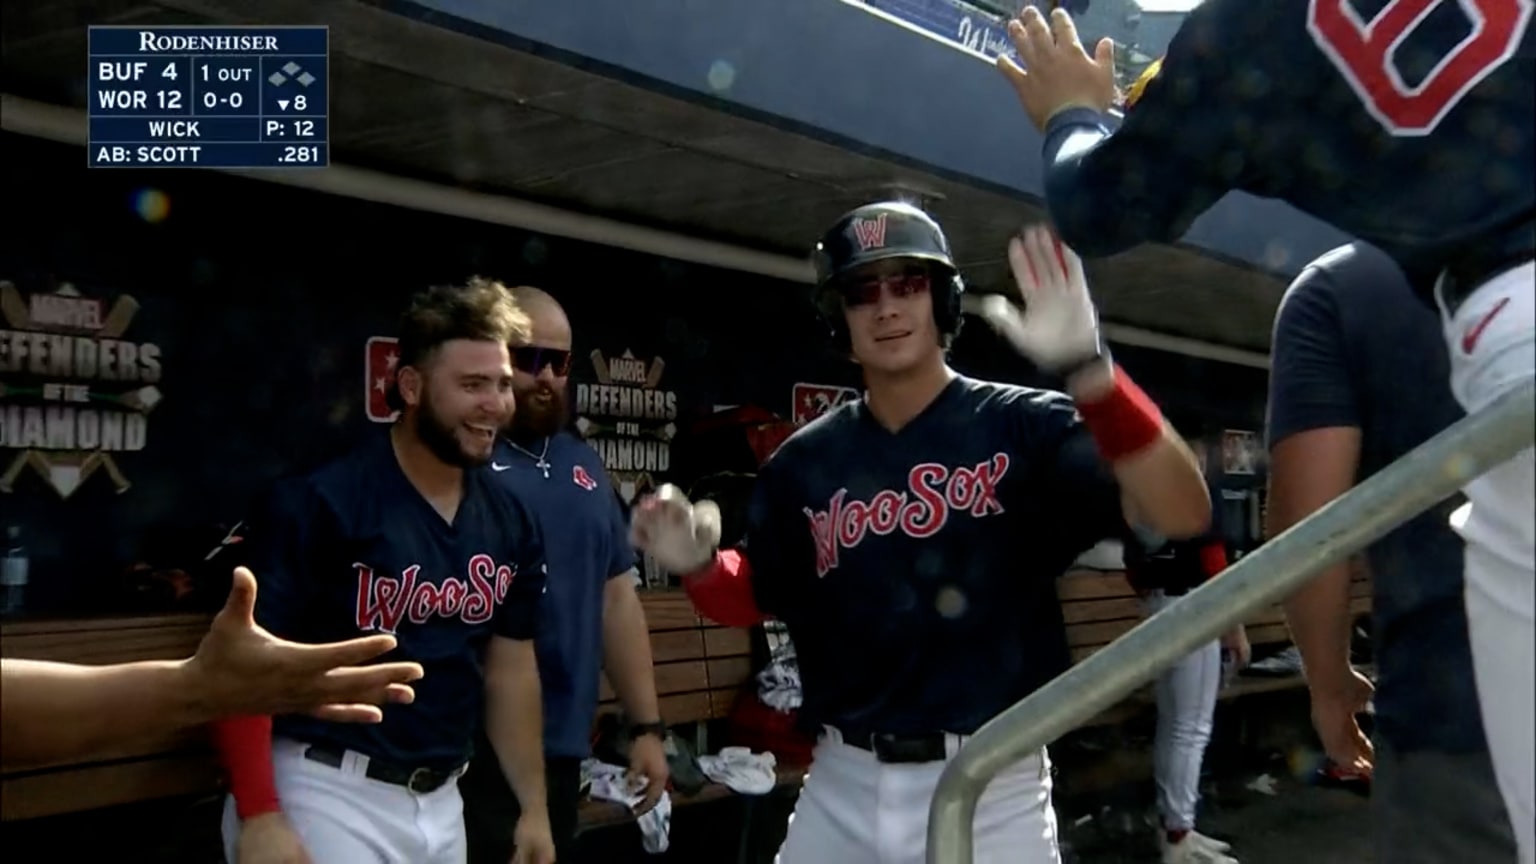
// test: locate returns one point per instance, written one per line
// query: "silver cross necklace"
(539, 461)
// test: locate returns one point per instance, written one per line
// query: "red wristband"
(1124, 421)
(1213, 558)
(245, 750)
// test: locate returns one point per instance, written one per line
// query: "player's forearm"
(515, 722)
(1319, 620)
(723, 592)
(1157, 473)
(1318, 613)
(1092, 209)
(55, 711)
(627, 651)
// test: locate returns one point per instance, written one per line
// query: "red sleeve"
(1213, 558)
(244, 745)
(722, 592)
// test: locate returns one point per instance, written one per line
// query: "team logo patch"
(380, 359)
(870, 233)
(385, 602)
(581, 478)
(813, 400)
(933, 493)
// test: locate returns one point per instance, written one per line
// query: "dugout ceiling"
(598, 113)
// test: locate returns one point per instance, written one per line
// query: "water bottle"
(13, 572)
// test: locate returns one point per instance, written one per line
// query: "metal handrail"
(1424, 477)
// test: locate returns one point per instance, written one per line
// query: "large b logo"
(1362, 52)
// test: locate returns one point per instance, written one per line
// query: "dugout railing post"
(1429, 474)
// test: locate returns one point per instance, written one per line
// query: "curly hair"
(481, 310)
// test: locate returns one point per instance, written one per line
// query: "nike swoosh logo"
(1475, 332)
(497, 466)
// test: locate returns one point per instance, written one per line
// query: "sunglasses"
(533, 360)
(862, 292)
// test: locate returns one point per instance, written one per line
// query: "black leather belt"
(902, 749)
(418, 780)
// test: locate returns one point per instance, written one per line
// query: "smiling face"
(459, 399)
(889, 309)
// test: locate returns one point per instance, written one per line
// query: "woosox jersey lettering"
(921, 510)
(921, 590)
(353, 548)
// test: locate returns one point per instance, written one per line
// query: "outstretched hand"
(1056, 73)
(241, 669)
(1058, 326)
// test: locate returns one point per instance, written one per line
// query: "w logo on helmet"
(870, 232)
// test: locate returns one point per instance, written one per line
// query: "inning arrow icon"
(282, 104)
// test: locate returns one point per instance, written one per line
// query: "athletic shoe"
(1191, 850)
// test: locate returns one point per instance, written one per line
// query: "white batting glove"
(680, 535)
(1058, 328)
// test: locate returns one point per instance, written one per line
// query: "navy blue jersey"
(586, 541)
(354, 549)
(1349, 353)
(1419, 138)
(1172, 566)
(916, 570)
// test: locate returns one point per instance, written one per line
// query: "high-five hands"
(679, 534)
(1058, 328)
(1056, 73)
(241, 669)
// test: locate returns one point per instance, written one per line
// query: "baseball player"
(405, 536)
(1357, 382)
(54, 711)
(1162, 571)
(910, 540)
(591, 617)
(1408, 124)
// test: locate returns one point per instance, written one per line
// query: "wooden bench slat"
(1099, 632)
(676, 645)
(1113, 609)
(140, 748)
(91, 787)
(727, 642)
(1093, 585)
(728, 672)
(669, 610)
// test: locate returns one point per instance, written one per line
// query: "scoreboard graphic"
(209, 97)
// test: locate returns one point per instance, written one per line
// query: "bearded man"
(591, 618)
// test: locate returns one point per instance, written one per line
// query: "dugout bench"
(1100, 607)
(700, 669)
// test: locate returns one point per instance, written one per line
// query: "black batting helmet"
(876, 232)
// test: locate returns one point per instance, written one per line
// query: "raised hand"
(679, 534)
(241, 669)
(1056, 73)
(1058, 327)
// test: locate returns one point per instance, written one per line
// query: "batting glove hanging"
(1058, 328)
(679, 534)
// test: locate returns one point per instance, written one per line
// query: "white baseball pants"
(855, 809)
(1492, 344)
(1186, 707)
(342, 816)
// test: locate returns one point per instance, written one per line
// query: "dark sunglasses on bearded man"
(533, 359)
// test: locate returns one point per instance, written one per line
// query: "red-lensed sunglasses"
(861, 292)
(533, 360)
